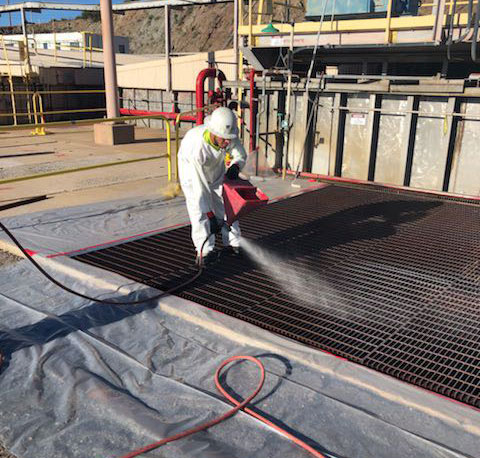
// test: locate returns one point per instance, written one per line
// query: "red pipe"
(253, 111)
(165, 114)
(318, 176)
(199, 89)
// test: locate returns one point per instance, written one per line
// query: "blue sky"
(45, 15)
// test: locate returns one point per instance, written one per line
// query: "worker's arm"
(238, 153)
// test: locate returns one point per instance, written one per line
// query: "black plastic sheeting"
(387, 280)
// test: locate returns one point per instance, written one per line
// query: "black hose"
(475, 34)
(450, 30)
(469, 23)
(102, 301)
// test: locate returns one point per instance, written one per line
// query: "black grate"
(388, 280)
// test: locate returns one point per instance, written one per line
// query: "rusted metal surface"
(387, 280)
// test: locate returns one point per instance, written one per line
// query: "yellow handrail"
(98, 121)
(40, 113)
(38, 110)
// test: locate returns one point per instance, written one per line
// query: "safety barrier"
(37, 104)
(98, 121)
(437, 15)
(31, 44)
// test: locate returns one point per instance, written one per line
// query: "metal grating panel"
(388, 280)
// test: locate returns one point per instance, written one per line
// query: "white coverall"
(201, 169)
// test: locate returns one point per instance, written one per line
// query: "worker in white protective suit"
(202, 170)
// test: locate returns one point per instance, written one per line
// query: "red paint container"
(241, 197)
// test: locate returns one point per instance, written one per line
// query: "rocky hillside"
(199, 28)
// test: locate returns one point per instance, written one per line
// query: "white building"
(68, 41)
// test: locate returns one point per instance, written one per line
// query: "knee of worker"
(201, 235)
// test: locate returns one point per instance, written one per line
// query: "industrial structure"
(65, 41)
(370, 110)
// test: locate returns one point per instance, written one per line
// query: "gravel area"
(7, 258)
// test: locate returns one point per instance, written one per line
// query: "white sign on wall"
(358, 119)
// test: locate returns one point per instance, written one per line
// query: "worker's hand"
(232, 172)
(215, 228)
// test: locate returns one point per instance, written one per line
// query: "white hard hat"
(222, 123)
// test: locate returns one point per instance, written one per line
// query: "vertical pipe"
(200, 102)
(253, 111)
(235, 35)
(168, 62)
(25, 38)
(84, 50)
(109, 65)
(257, 126)
(286, 131)
(239, 63)
(250, 24)
(90, 48)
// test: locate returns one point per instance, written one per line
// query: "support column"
(109, 64)
(235, 35)
(25, 40)
(373, 130)
(338, 134)
(412, 117)
(111, 133)
(168, 48)
(450, 129)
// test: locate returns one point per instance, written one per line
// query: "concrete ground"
(64, 149)
(52, 165)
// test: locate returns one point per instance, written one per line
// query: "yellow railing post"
(388, 35)
(41, 131)
(54, 44)
(260, 12)
(250, 24)
(90, 48)
(38, 114)
(84, 50)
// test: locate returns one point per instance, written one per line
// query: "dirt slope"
(199, 28)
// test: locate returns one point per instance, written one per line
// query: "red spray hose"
(238, 406)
